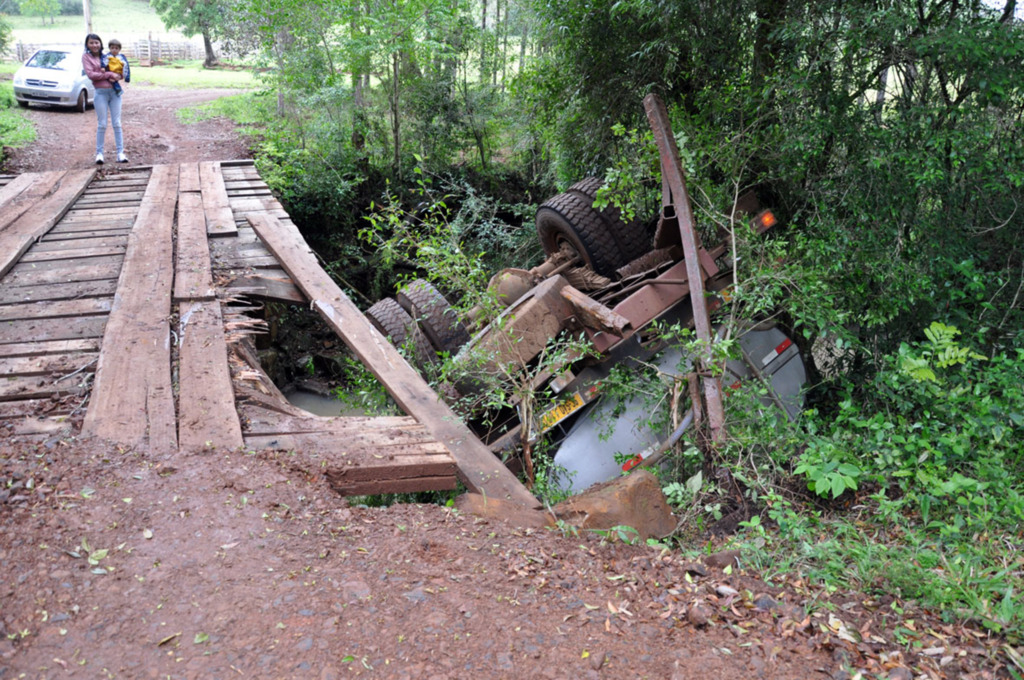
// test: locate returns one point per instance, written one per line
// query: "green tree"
(40, 8)
(204, 17)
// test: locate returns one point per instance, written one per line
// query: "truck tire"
(570, 220)
(632, 236)
(436, 317)
(394, 323)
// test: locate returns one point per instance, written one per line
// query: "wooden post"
(87, 13)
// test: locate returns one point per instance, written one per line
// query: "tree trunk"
(211, 56)
(522, 46)
(395, 122)
(504, 47)
(483, 42)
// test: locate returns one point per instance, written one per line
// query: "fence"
(141, 51)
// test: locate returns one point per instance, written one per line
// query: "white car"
(54, 75)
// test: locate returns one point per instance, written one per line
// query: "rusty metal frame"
(696, 257)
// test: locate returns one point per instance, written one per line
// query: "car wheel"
(83, 102)
(394, 323)
(23, 104)
(435, 316)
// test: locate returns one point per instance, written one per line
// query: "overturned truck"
(607, 281)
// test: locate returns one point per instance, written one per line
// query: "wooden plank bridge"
(123, 317)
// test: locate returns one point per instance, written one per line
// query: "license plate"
(560, 412)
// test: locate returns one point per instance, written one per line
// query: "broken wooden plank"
(263, 284)
(132, 401)
(17, 236)
(206, 399)
(219, 219)
(478, 467)
(193, 278)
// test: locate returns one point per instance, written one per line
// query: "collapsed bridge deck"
(122, 316)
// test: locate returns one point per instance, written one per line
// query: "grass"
(15, 129)
(191, 74)
(124, 19)
(244, 109)
(970, 578)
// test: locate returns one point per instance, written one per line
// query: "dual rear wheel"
(421, 321)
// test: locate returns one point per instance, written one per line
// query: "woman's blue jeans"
(108, 100)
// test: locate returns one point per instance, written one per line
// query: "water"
(321, 405)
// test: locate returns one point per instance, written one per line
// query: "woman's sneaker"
(99, 159)
(121, 158)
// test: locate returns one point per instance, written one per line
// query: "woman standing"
(106, 100)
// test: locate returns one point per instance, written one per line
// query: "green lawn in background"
(191, 74)
(123, 19)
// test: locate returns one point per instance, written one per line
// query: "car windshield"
(50, 59)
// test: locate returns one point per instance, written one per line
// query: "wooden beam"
(219, 219)
(206, 398)
(132, 401)
(478, 467)
(17, 185)
(17, 236)
(71, 290)
(188, 178)
(61, 364)
(24, 192)
(38, 349)
(193, 279)
(24, 330)
(55, 309)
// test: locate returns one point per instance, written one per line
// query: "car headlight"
(19, 80)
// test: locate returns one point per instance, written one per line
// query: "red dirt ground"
(152, 134)
(124, 564)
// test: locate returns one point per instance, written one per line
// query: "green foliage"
(192, 16)
(15, 129)
(455, 236)
(5, 34)
(631, 184)
(39, 8)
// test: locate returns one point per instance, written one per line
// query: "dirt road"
(152, 133)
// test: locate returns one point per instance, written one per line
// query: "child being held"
(115, 62)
